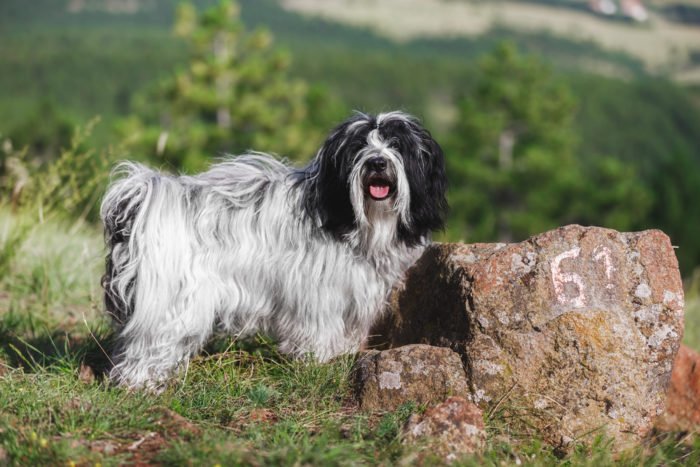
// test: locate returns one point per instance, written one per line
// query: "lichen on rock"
(448, 430)
(413, 373)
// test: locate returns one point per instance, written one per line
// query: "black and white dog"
(307, 256)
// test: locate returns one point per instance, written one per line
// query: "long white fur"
(233, 249)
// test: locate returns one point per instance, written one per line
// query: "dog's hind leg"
(175, 310)
(157, 275)
(152, 350)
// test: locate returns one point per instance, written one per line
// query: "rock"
(683, 402)
(449, 430)
(262, 415)
(418, 373)
(577, 327)
(85, 374)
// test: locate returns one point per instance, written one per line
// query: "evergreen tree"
(234, 95)
(512, 163)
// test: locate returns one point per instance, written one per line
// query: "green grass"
(237, 403)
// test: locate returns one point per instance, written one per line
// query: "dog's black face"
(389, 159)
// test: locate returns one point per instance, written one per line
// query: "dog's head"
(384, 167)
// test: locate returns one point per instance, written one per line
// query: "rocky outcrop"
(447, 431)
(577, 327)
(683, 402)
(413, 373)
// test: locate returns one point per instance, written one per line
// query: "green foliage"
(78, 73)
(610, 193)
(516, 140)
(260, 395)
(11, 244)
(643, 122)
(691, 336)
(512, 159)
(390, 425)
(43, 133)
(634, 143)
(651, 125)
(676, 210)
(53, 266)
(69, 185)
(234, 95)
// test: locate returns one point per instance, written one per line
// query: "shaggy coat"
(307, 256)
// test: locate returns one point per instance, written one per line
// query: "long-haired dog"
(307, 255)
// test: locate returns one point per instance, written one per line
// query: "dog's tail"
(123, 212)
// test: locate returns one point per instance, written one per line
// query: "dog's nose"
(378, 164)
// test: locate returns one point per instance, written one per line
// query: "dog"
(307, 256)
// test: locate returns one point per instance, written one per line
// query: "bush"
(69, 186)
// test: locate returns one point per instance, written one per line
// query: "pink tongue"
(379, 192)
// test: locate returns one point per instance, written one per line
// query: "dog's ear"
(328, 197)
(425, 170)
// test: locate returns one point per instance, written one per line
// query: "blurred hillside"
(668, 41)
(82, 54)
(604, 112)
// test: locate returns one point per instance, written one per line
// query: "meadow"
(239, 403)
(610, 141)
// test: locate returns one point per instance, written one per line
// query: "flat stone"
(413, 373)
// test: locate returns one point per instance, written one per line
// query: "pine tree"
(234, 95)
(513, 165)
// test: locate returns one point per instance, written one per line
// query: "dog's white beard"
(233, 249)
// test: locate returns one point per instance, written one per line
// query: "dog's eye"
(395, 144)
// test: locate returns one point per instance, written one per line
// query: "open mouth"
(379, 188)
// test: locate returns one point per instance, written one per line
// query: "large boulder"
(683, 403)
(577, 328)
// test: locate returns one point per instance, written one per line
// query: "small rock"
(449, 430)
(86, 375)
(261, 415)
(5, 367)
(578, 327)
(683, 402)
(418, 373)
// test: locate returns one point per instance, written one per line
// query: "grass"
(238, 403)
